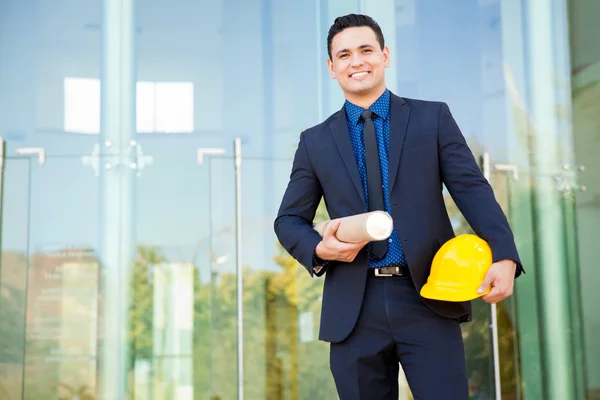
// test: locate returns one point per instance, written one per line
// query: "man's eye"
(367, 51)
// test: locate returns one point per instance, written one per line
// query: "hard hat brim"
(450, 293)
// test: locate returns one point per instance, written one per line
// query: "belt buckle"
(379, 273)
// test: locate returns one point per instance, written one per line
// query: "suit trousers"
(396, 327)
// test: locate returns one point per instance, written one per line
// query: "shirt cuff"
(319, 264)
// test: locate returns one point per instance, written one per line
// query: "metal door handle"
(487, 168)
(508, 168)
(201, 151)
(40, 151)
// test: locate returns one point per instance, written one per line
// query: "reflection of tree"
(12, 305)
(37, 363)
(82, 392)
(141, 306)
(277, 364)
(11, 315)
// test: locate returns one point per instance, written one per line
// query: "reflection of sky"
(449, 51)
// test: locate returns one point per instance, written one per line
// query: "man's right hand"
(330, 248)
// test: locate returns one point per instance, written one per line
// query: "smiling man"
(384, 152)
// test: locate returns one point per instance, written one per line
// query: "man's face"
(358, 63)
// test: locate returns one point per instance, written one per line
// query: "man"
(381, 151)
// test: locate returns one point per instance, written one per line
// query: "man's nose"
(356, 60)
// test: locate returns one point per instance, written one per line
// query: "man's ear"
(386, 57)
(330, 67)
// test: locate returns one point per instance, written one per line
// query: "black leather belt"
(389, 271)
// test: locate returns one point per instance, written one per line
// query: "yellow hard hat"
(458, 269)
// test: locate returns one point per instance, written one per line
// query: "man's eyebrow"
(363, 46)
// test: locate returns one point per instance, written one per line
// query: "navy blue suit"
(426, 150)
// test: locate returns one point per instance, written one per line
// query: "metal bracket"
(201, 151)
(568, 167)
(40, 151)
(135, 156)
(567, 181)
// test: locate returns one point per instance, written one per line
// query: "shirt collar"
(381, 107)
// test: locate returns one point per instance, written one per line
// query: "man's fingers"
(348, 251)
(353, 246)
(332, 228)
(497, 294)
(492, 296)
(489, 279)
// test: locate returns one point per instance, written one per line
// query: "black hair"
(353, 21)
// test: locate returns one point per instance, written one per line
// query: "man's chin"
(361, 90)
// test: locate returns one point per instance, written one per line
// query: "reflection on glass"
(62, 317)
(82, 105)
(49, 279)
(289, 302)
(13, 275)
(584, 206)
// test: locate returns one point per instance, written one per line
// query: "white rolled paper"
(366, 227)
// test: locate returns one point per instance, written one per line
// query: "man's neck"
(365, 100)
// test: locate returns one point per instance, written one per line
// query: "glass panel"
(548, 329)
(223, 382)
(182, 313)
(283, 303)
(45, 47)
(58, 271)
(14, 247)
(584, 206)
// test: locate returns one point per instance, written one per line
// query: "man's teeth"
(359, 74)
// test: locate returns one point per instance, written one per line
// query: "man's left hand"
(501, 276)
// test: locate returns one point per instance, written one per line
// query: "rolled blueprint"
(366, 227)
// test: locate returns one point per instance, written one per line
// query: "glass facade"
(124, 238)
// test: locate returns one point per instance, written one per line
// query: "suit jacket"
(427, 149)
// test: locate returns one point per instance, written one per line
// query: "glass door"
(490, 338)
(503, 330)
(282, 306)
(113, 276)
(50, 275)
(14, 249)
(182, 291)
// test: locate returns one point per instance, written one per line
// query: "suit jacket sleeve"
(471, 191)
(294, 222)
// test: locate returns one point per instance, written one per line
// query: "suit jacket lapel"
(399, 114)
(339, 128)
